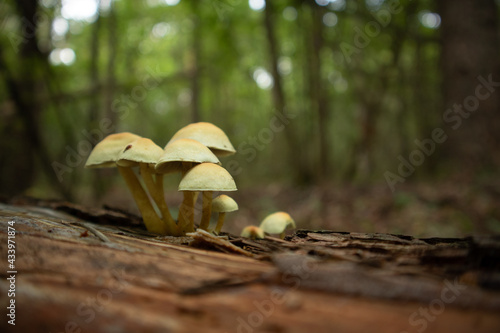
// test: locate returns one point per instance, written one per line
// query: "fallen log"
(80, 270)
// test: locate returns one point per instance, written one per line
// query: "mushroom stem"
(156, 191)
(163, 203)
(186, 212)
(186, 209)
(151, 220)
(220, 222)
(207, 210)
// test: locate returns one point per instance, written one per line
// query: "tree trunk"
(319, 98)
(12, 141)
(111, 66)
(195, 66)
(470, 51)
(23, 91)
(295, 151)
(95, 105)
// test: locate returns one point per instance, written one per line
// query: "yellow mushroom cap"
(207, 177)
(224, 204)
(106, 152)
(184, 151)
(142, 150)
(276, 223)
(252, 232)
(209, 135)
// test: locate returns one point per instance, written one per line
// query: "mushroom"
(277, 223)
(145, 153)
(105, 154)
(207, 177)
(181, 155)
(252, 232)
(223, 204)
(209, 135)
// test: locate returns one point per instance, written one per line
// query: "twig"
(93, 230)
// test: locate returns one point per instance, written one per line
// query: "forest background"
(369, 116)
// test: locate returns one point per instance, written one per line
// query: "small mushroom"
(223, 204)
(206, 178)
(145, 154)
(209, 135)
(183, 154)
(277, 223)
(252, 232)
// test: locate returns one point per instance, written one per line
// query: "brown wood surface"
(101, 272)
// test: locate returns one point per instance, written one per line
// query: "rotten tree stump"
(81, 270)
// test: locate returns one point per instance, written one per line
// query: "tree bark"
(23, 91)
(95, 106)
(296, 151)
(89, 275)
(470, 49)
(111, 66)
(318, 94)
(196, 56)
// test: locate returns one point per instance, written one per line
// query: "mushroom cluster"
(193, 151)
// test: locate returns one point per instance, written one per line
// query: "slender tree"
(195, 71)
(294, 150)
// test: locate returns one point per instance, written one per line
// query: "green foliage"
(150, 56)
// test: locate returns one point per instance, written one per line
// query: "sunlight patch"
(79, 10)
(257, 5)
(263, 79)
(64, 56)
(429, 20)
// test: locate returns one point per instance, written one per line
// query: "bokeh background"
(362, 115)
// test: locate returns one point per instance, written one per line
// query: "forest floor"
(423, 209)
